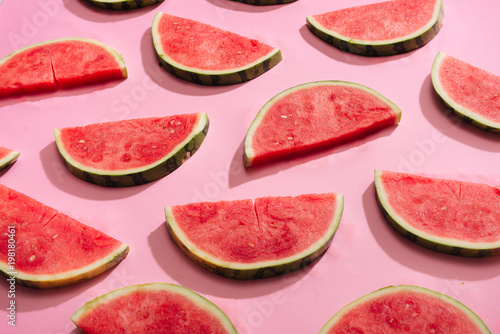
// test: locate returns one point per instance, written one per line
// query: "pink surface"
(366, 254)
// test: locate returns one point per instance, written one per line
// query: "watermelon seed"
(55, 236)
(81, 141)
(289, 138)
(32, 258)
(251, 244)
(284, 116)
(172, 130)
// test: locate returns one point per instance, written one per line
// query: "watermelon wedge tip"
(245, 239)
(448, 216)
(7, 157)
(131, 152)
(405, 309)
(207, 55)
(380, 29)
(471, 92)
(152, 308)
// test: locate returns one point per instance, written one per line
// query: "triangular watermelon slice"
(7, 157)
(207, 55)
(123, 4)
(471, 92)
(405, 309)
(242, 239)
(153, 308)
(43, 248)
(449, 216)
(313, 116)
(59, 63)
(380, 29)
(131, 152)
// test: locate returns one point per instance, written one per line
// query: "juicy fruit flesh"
(471, 87)
(63, 63)
(319, 116)
(188, 43)
(445, 208)
(272, 229)
(152, 312)
(379, 21)
(405, 312)
(47, 241)
(126, 144)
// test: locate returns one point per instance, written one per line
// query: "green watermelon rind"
(265, 2)
(249, 271)
(464, 113)
(123, 4)
(199, 300)
(71, 277)
(212, 77)
(137, 176)
(397, 288)
(9, 159)
(380, 48)
(249, 154)
(426, 240)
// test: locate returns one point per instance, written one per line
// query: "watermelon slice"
(43, 248)
(153, 308)
(7, 157)
(265, 2)
(455, 217)
(380, 29)
(123, 4)
(59, 63)
(405, 309)
(245, 240)
(471, 92)
(314, 116)
(131, 152)
(207, 55)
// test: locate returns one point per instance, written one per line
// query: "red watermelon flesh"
(52, 249)
(201, 46)
(124, 145)
(313, 116)
(380, 21)
(60, 63)
(154, 308)
(468, 89)
(233, 236)
(405, 309)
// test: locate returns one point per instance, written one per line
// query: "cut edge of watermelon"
(428, 26)
(199, 300)
(466, 114)
(276, 53)
(9, 159)
(397, 288)
(248, 270)
(249, 153)
(445, 245)
(70, 277)
(201, 124)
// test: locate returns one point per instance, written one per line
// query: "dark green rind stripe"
(469, 119)
(155, 173)
(9, 163)
(226, 78)
(71, 280)
(432, 245)
(252, 273)
(265, 2)
(381, 50)
(125, 4)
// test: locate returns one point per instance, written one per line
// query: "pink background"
(366, 254)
